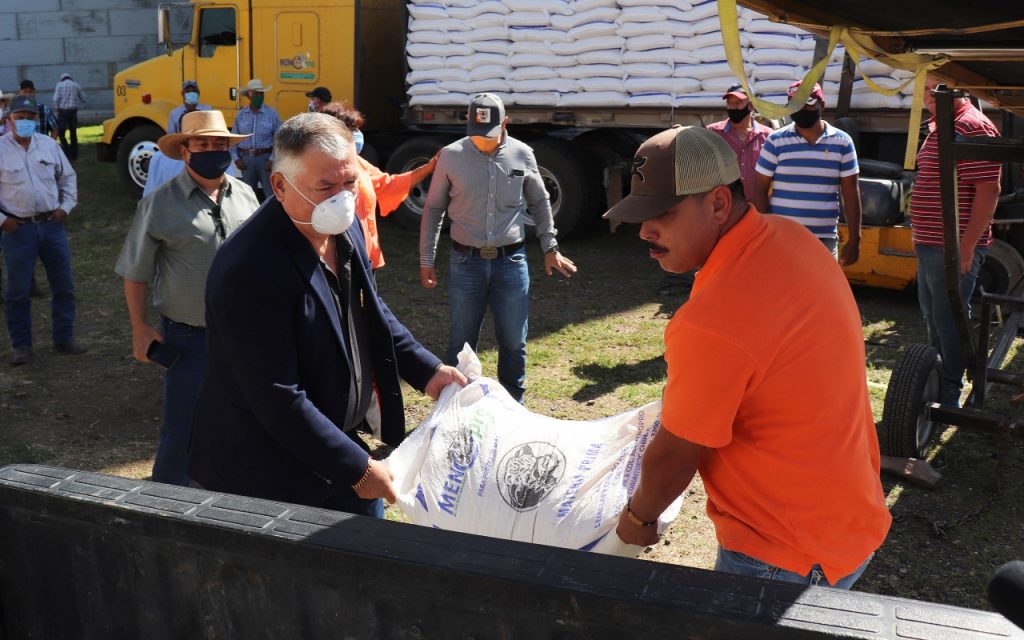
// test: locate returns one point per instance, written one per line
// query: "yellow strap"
(729, 19)
(858, 45)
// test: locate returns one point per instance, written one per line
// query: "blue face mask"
(357, 137)
(191, 97)
(24, 128)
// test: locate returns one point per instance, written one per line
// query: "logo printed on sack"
(528, 472)
(483, 115)
(463, 450)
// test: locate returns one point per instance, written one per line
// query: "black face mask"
(806, 119)
(736, 116)
(210, 164)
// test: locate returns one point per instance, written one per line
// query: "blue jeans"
(744, 565)
(182, 384)
(938, 314)
(255, 173)
(503, 284)
(832, 244)
(48, 241)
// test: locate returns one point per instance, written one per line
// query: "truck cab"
(224, 44)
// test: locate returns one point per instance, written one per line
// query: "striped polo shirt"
(805, 177)
(925, 200)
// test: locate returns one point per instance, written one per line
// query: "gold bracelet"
(366, 474)
(636, 520)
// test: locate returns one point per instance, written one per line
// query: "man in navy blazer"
(299, 339)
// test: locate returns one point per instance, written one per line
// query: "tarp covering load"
(481, 463)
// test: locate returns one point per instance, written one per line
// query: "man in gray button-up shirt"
(488, 182)
(176, 232)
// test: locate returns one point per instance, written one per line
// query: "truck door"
(217, 58)
(298, 59)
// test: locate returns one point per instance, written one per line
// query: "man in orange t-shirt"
(766, 393)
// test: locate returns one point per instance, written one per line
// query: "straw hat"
(6, 96)
(195, 124)
(255, 85)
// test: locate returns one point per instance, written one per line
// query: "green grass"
(595, 350)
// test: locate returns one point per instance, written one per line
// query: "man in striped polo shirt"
(978, 193)
(807, 165)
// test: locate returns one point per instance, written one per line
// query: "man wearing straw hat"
(255, 157)
(171, 243)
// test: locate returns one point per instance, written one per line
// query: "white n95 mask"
(332, 216)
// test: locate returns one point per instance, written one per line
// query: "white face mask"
(332, 216)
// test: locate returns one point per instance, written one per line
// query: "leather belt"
(256, 152)
(489, 253)
(42, 216)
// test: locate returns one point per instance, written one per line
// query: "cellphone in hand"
(162, 354)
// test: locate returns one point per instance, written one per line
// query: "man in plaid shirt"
(254, 157)
(67, 97)
(47, 121)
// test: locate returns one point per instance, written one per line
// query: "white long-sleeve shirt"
(35, 180)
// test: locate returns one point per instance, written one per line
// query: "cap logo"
(483, 115)
(635, 165)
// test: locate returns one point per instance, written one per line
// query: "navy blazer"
(268, 421)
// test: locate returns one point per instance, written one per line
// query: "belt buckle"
(488, 253)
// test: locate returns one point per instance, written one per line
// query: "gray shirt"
(487, 198)
(172, 241)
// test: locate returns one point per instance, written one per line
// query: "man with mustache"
(766, 393)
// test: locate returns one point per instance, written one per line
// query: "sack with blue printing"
(481, 463)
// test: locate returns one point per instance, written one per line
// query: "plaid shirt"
(68, 95)
(262, 124)
(47, 120)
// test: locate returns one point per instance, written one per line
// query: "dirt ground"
(101, 411)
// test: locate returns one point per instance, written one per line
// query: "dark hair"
(738, 195)
(27, 84)
(348, 115)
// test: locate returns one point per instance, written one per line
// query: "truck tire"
(133, 154)
(571, 184)
(1003, 269)
(409, 155)
(916, 380)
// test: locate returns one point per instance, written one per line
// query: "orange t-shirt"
(376, 187)
(766, 369)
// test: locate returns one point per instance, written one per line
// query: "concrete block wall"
(90, 39)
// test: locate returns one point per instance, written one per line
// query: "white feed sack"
(540, 40)
(483, 464)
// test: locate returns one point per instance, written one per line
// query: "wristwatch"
(552, 249)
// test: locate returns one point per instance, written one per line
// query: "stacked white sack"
(603, 53)
(483, 464)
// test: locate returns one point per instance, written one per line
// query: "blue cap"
(23, 103)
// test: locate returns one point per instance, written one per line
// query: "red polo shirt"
(926, 203)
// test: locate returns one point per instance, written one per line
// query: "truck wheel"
(573, 188)
(133, 154)
(409, 155)
(1002, 270)
(916, 380)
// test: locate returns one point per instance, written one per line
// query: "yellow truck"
(358, 50)
(292, 45)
